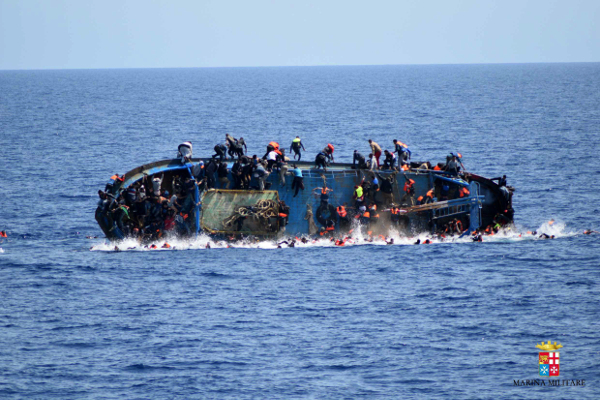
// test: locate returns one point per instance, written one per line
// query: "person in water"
(296, 146)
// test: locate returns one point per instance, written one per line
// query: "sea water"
(453, 319)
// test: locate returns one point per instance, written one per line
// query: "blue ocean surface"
(452, 319)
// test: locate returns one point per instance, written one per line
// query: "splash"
(357, 238)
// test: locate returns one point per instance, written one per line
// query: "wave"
(509, 234)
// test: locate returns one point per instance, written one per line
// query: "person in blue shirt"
(298, 182)
(402, 152)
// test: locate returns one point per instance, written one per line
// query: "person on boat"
(430, 196)
(283, 168)
(387, 188)
(453, 164)
(374, 189)
(223, 173)
(184, 152)
(231, 144)
(409, 191)
(324, 194)
(321, 161)
(296, 146)
(220, 151)
(372, 163)
(272, 146)
(402, 151)
(343, 217)
(261, 174)
(284, 213)
(247, 169)
(463, 192)
(376, 150)
(298, 182)
(374, 215)
(360, 160)
(211, 170)
(242, 149)
(395, 214)
(328, 150)
(236, 174)
(271, 159)
(198, 170)
(390, 160)
(156, 184)
(358, 196)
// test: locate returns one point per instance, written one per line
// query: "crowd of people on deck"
(147, 212)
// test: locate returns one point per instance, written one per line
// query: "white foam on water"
(357, 238)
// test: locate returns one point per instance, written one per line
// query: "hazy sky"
(41, 34)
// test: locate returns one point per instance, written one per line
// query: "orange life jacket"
(420, 198)
(405, 167)
(275, 145)
(437, 168)
(330, 228)
(282, 215)
(459, 226)
(331, 147)
(408, 185)
(463, 192)
(366, 214)
(430, 193)
(3, 234)
(341, 210)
